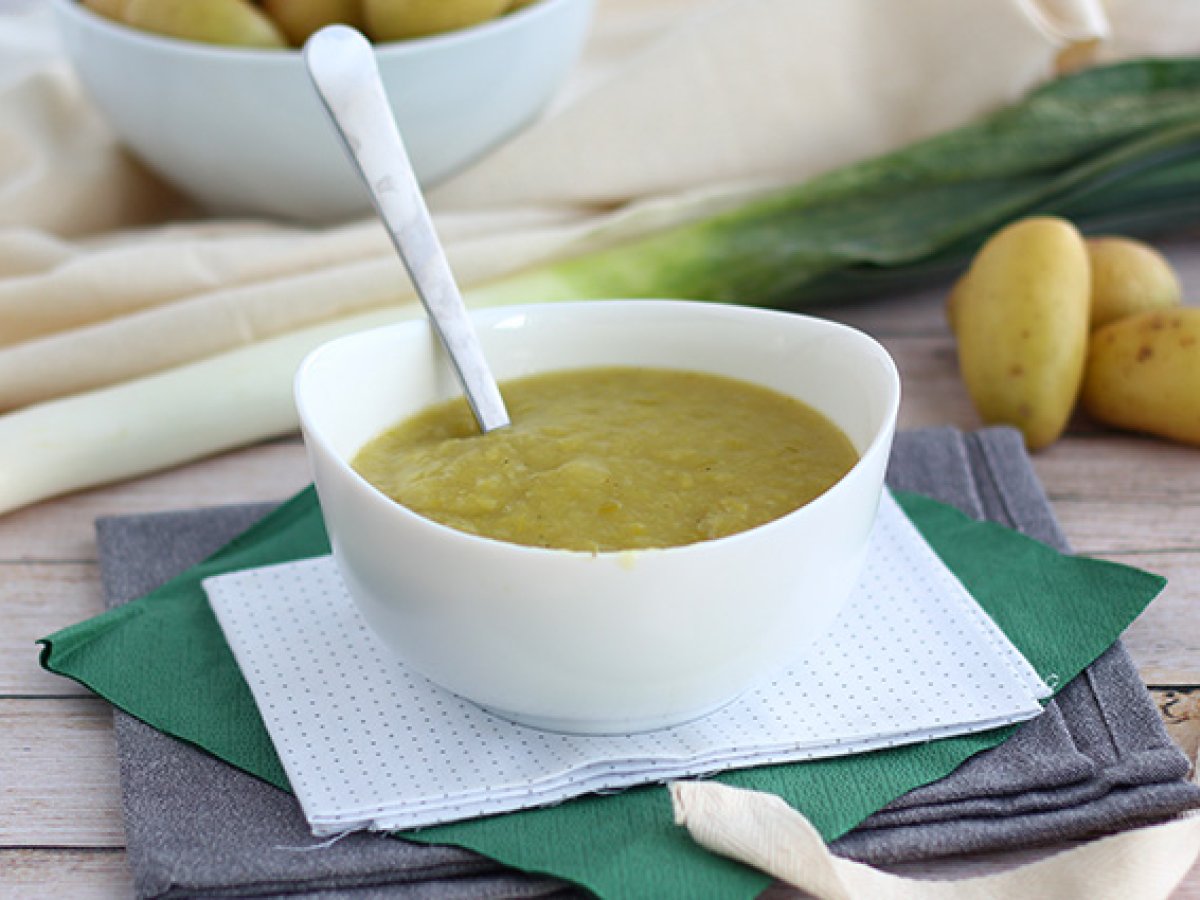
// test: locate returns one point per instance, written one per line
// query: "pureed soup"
(612, 459)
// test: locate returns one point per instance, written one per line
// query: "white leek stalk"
(162, 420)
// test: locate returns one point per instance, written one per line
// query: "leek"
(1114, 148)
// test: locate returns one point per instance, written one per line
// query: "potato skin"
(300, 19)
(1021, 317)
(235, 23)
(1143, 374)
(110, 9)
(395, 20)
(1129, 277)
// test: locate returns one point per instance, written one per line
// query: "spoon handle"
(342, 67)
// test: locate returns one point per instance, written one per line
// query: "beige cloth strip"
(76, 287)
(764, 832)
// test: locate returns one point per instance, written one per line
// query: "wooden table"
(1126, 498)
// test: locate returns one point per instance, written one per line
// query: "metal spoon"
(342, 67)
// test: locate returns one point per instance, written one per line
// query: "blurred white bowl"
(242, 131)
(603, 642)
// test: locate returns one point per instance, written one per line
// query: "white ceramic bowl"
(242, 130)
(605, 642)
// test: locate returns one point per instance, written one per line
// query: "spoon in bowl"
(341, 64)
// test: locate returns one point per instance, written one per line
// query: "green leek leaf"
(1114, 148)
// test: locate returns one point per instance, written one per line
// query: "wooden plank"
(62, 529)
(1189, 888)
(58, 775)
(1112, 466)
(1105, 527)
(932, 393)
(912, 313)
(98, 874)
(1165, 640)
(37, 599)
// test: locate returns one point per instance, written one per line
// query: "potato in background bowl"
(242, 130)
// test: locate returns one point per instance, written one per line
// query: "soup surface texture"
(612, 459)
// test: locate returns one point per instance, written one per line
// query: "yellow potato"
(110, 9)
(953, 299)
(1143, 374)
(393, 20)
(1021, 316)
(236, 23)
(1129, 277)
(298, 19)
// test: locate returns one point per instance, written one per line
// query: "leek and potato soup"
(612, 459)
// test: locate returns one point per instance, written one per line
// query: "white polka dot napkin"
(369, 744)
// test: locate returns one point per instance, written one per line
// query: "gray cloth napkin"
(1098, 759)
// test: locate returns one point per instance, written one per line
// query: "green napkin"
(163, 659)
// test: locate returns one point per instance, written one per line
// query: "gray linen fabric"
(1098, 759)
(196, 827)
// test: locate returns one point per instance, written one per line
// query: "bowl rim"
(882, 435)
(409, 47)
